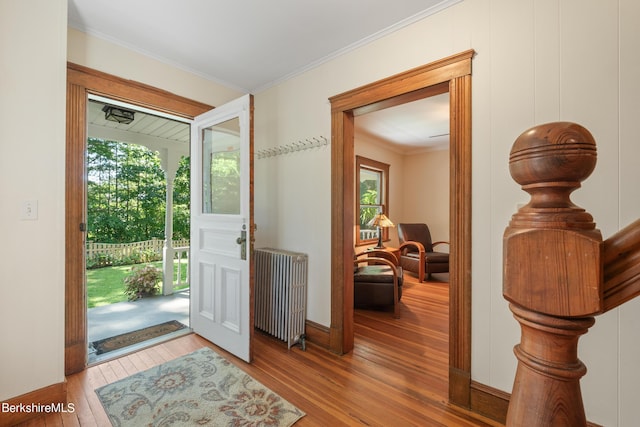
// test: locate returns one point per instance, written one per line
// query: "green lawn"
(105, 285)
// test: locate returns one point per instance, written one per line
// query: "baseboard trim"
(36, 403)
(493, 403)
(489, 402)
(317, 334)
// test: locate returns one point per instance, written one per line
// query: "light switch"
(29, 210)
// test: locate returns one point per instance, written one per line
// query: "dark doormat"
(130, 338)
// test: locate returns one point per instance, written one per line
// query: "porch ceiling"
(147, 129)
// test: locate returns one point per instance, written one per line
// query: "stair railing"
(559, 273)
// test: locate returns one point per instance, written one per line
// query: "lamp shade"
(381, 220)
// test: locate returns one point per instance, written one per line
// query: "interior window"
(372, 178)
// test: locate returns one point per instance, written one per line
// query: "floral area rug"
(198, 389)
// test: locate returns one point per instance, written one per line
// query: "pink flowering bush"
(143, 281)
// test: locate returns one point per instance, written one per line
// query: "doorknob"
(242, 241)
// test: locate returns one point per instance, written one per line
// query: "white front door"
(222, 226)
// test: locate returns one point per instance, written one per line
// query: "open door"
(222, 226)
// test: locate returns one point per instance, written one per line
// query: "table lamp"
(380, 221)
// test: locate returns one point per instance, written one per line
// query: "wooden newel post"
(552, 274)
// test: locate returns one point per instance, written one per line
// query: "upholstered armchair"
(416, 251)
(377, 280)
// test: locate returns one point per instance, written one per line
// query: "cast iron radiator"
(281, 294)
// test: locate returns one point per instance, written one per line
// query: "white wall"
(32, 139)
(426, 192)
(114, 59)
(537, 61)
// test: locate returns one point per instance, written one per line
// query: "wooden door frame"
(452, 74)
(82, 81)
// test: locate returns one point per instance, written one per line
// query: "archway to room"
(454, 75)
(82, 82)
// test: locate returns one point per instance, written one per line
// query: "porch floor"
(115, 319)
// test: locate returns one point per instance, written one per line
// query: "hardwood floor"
(396, 376)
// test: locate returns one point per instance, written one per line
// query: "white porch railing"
(124, 250)
(368, 234)
(182, 255)
(118, 251)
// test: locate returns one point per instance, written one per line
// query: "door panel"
(219, 241)
(230, 287)
(206, 286)
(221, 226)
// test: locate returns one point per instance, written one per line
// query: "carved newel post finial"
(552, 273)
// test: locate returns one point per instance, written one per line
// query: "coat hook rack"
(293, 147)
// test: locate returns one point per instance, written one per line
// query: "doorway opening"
(82, 82)
(453, 74)
(137, 232)
(407, 146)
(402, 163)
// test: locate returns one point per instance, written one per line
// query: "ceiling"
(153, 131)
(250, 45)
(411, 127)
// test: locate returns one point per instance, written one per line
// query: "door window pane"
(221, 168)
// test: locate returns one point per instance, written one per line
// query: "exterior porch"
(128, 316)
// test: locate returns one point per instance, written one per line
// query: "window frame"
(382, 168)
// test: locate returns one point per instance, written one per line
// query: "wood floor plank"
(108, 373)
(397, 374)
(77, 386)
(118, 370)
(164, 353)
(69, 419)
(95, 380)
(52, 420)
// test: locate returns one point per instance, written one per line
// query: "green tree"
(182, 199)
(126, 192)
(368, 197)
